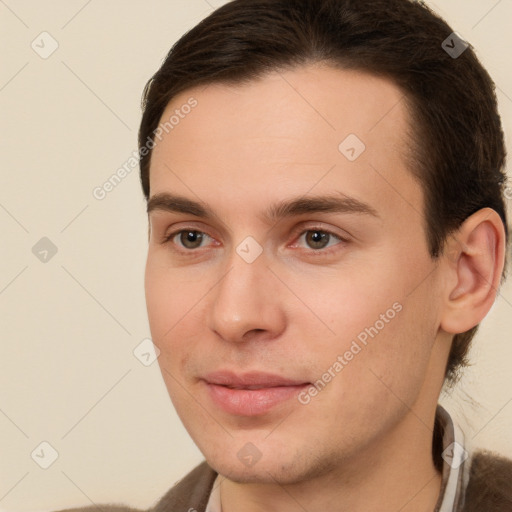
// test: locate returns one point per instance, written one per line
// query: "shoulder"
(192, 492)
(101, 508)
(490, 483)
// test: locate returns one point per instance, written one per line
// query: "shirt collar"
(456, 464)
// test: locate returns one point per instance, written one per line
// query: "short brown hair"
(458, 152)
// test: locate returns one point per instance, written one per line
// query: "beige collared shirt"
(455, 475)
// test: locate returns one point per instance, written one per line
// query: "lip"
(252, 393)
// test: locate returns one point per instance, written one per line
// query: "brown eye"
(185, 239)
(191, 239)
(317, 239)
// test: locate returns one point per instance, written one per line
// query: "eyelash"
(168, 238)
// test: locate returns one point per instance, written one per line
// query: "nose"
(245, 304)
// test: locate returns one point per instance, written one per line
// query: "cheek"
(165, 308)
(160, 300)
(394, 359)
(378, 327)
(349, 302)
(168, 299)
(168, 292)
(175, 306)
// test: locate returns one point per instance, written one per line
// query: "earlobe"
(475, 257)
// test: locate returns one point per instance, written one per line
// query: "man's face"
(344, 298)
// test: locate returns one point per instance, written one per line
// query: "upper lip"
(253, 379)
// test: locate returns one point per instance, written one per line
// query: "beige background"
(68, 375)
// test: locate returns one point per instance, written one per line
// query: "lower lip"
(251, 402)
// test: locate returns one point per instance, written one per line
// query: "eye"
(188, 238)
(318, 239)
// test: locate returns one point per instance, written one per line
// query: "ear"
(474, 257)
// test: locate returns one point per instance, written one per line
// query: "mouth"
(250, 394)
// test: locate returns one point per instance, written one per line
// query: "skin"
(364, 441)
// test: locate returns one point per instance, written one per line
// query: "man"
(326, 231)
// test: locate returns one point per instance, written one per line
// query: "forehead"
(288, 132)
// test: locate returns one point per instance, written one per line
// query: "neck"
(395, 473)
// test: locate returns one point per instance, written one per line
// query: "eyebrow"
(340, 203)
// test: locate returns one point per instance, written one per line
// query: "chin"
(260, 473)
(268, 470)
(247, 476)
